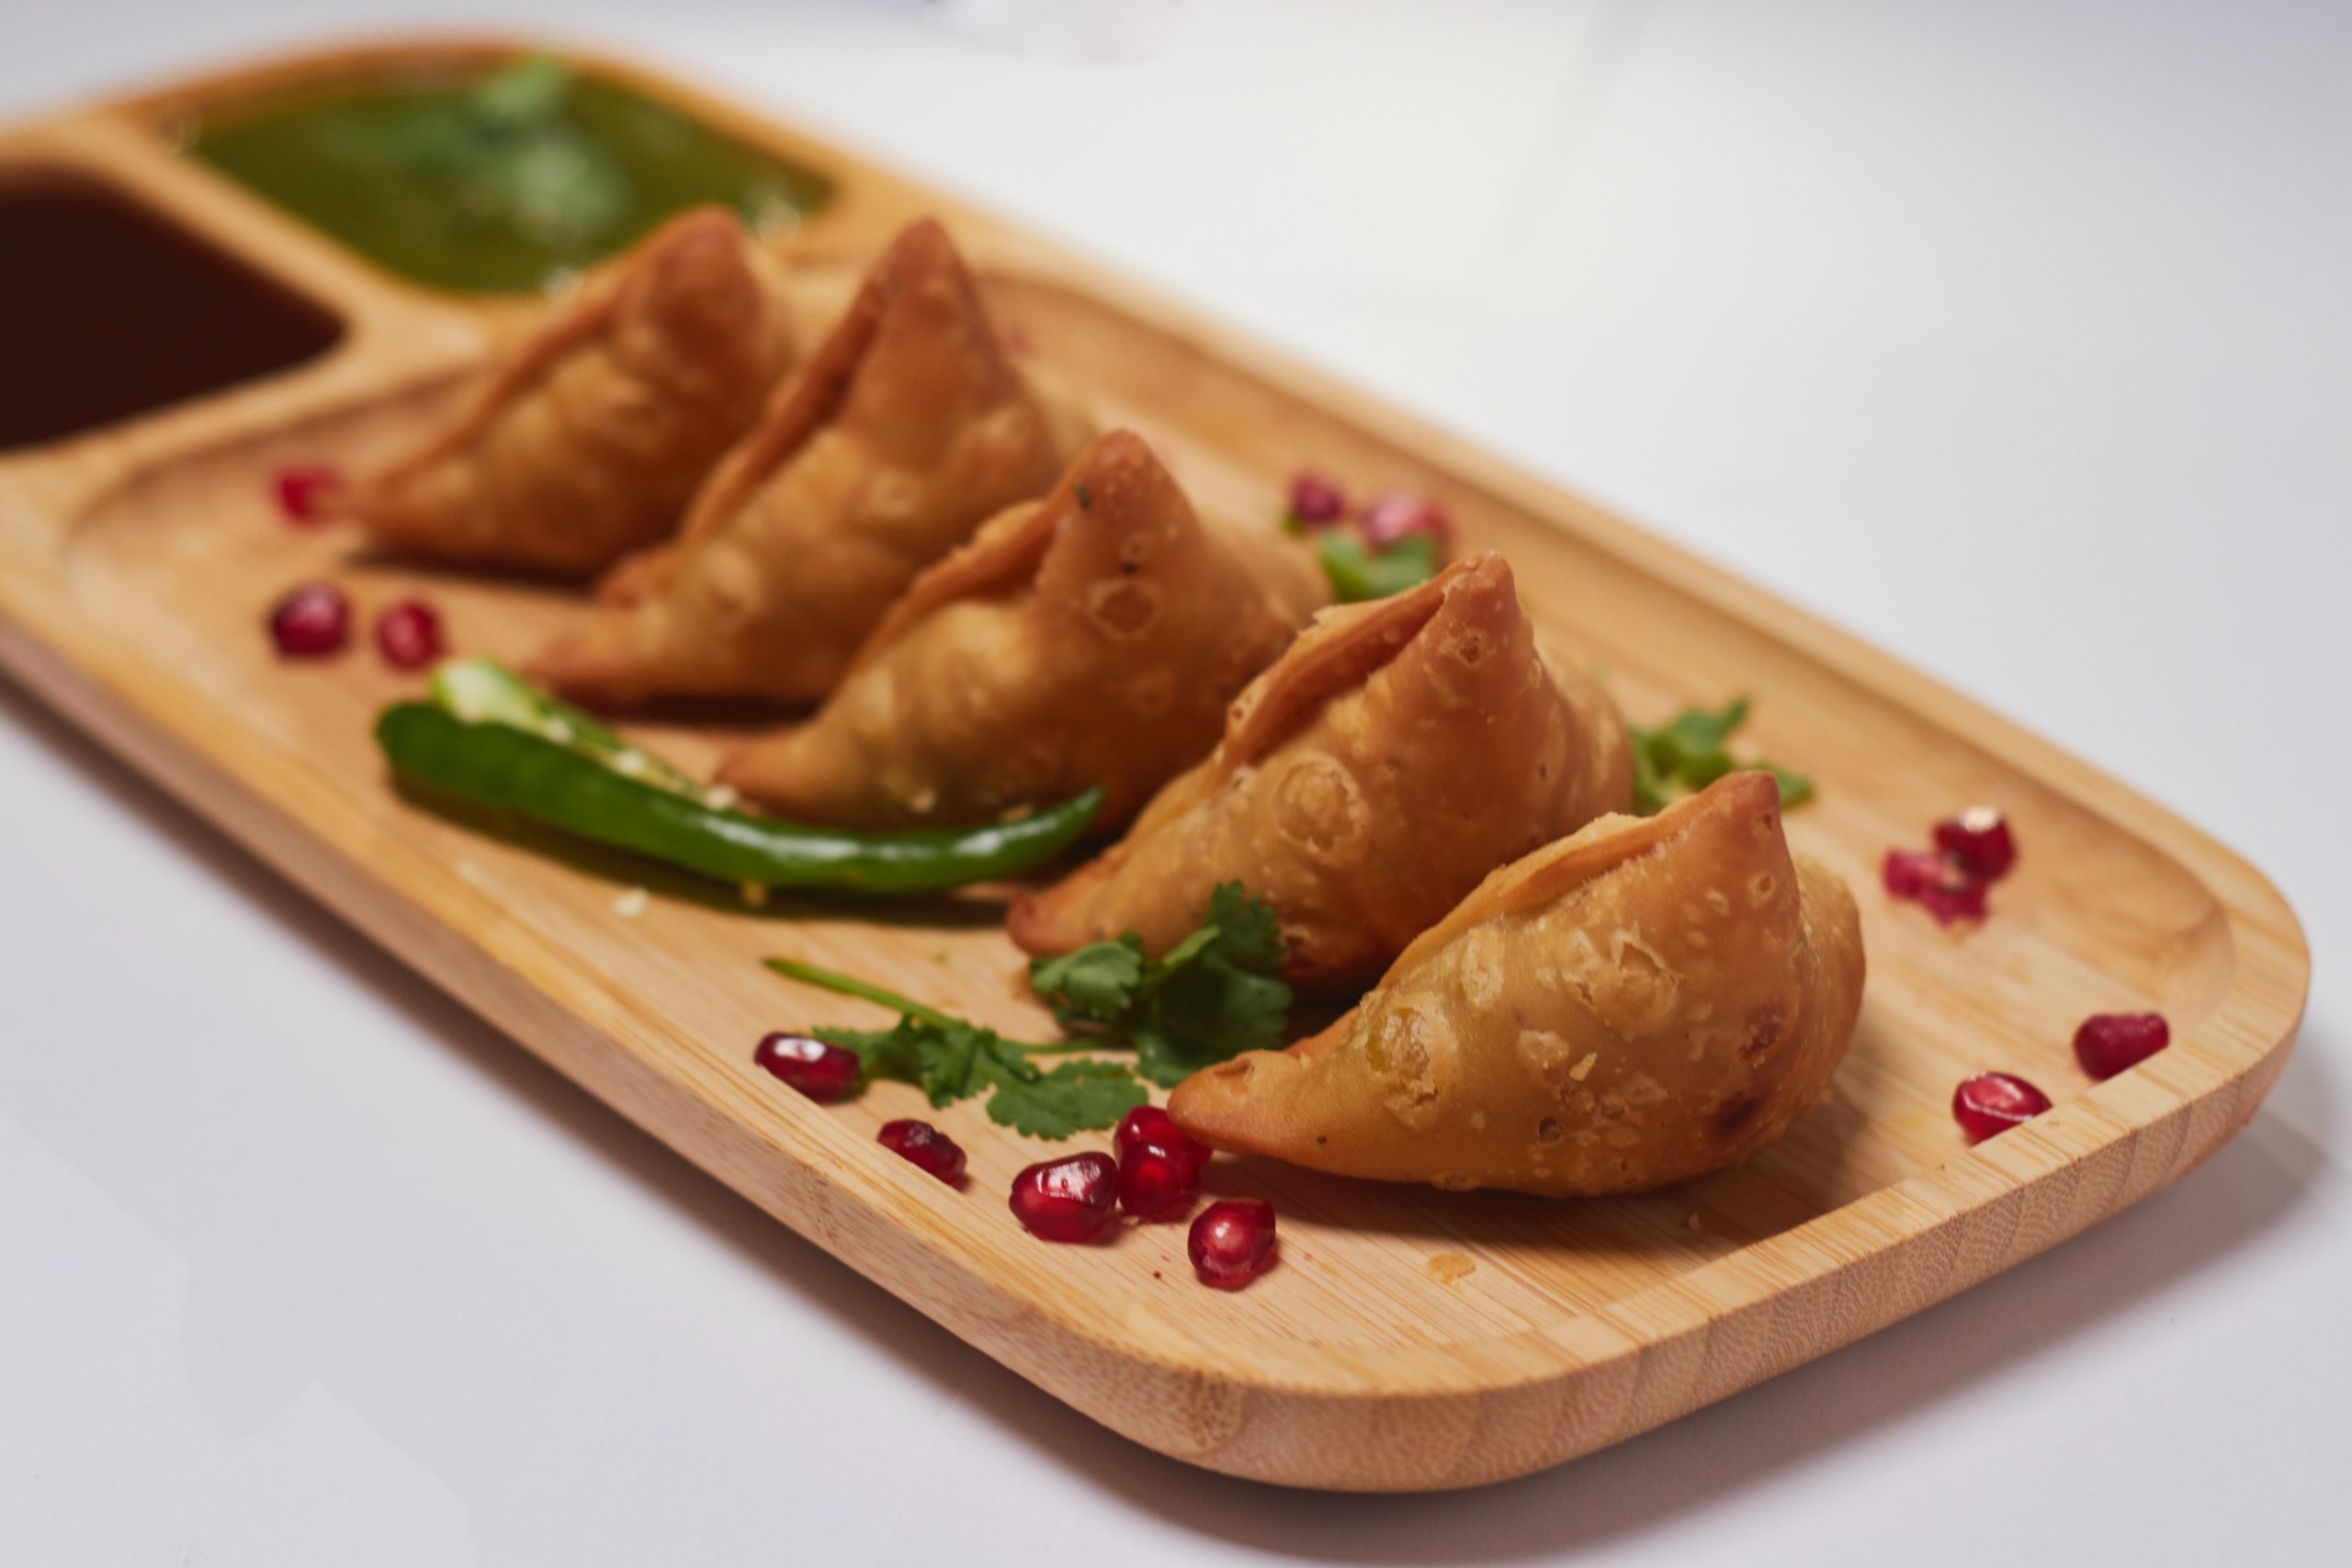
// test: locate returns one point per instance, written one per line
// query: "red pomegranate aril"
(921, 1144)
(409, 635)
(821, 1071)
(1071, 1199)
(302, 490)
(313, 620)
(1316, 502)
(1995, 1103)
(1936, 882)
(1147, 1127)
(1397, 517)
(1160, 1165)
(1232, 1242)
(1158, 1183)
(2110, 1042)
(1979, 842)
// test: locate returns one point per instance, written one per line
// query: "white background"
(2017, 338)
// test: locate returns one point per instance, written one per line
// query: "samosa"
(907, 429)
(1092, 639)
(1397, 752)
(1642, 1003)
(588, 439)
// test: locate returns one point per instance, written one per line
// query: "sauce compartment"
(492, 173)
(109, 310)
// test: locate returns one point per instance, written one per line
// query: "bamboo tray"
(1410, 1339)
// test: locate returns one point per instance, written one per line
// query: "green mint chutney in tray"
(493, 182)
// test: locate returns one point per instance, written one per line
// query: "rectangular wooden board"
(1409, 1338)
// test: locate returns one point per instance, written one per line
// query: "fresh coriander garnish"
(952, 1058)
(1358, 573)
(1215, 995)
(1690, 752)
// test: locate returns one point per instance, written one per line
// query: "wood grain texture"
(1409, 1339)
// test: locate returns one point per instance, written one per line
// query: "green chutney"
(498, 183)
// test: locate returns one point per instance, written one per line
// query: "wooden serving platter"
(1409, 1338)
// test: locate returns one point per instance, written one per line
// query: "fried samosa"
(907, 429)
(1092, 639)
(1399, 752)
(588, 440)
(1642, 1003)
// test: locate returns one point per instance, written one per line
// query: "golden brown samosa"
(588, 440)
(1399, 752)
(905, 431)
(1642, 1003)
(1091, 639)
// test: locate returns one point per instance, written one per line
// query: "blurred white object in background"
(1096, 31)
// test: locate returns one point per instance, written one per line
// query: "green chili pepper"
(482, 691)
(516, 769)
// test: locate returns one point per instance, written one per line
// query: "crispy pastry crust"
(1395, 755)
(588, 440)
(1641, 1003)
(1090, 639)
(906, 429)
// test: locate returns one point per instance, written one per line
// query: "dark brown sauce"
(109, 309)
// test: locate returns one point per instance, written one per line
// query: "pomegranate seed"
(1071, 1199)
(919, 1142)
(1316, 502)
(1936, 881)
(1149, 1126)
(1160, 1165)
(1233, 1242)
(823, 1072)
(302, 490)
(311, 622)
(1995, 1103)
(1397, 517)
(1978, 840)
(2110, 1042)
(409, 635)
(1157, 1183)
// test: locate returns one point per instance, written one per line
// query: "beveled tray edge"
(1407, 1419)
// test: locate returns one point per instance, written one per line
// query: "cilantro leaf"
(1695, 732)
(1649, 787)
(1691, 751)
(1248, 935)
(951, 1059)
(1091, 985)
(1795, 788)
(881, 1053)
(1212, 995)
(1073, 1098)
(1358, 574)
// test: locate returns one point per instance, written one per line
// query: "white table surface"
(2016, 338)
